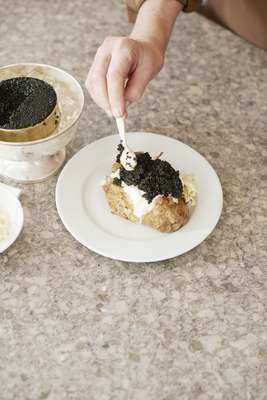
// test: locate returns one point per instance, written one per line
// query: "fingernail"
(117, 113)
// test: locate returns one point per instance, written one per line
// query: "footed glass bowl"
(37, 160)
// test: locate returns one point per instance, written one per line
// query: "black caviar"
(25, 101)
(154, 177)
(120, 149)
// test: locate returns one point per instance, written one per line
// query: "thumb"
(137, 83)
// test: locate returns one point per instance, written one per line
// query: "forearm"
(155, 22)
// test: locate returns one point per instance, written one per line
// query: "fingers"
(117, 61)
(113, 63)
(137, 84)
(121, 65)
(96, 82)
(149, 64)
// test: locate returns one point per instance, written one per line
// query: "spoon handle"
(121, 129)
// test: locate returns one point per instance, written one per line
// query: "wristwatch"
(190, 5)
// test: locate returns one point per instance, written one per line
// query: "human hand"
(121, 70)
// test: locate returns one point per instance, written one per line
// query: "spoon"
(128, 158)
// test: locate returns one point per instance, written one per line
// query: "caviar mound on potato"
(157, 183)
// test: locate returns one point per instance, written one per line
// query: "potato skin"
(166, 216)
(118, 201)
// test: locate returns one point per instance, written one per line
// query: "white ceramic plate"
(11, 207)
(84, 211)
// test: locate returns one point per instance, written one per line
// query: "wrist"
(149, 40)
(155, 22)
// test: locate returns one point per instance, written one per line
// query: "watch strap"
(190, 5)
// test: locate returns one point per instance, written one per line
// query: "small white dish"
(16, 192)
(84, 211)
(10, 206)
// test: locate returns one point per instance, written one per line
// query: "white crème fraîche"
(4, 227)
(142, 207)
(189, 188)
(128, 160)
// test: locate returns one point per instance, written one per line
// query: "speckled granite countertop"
(75, 325)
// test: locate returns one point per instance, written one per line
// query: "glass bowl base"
(32, 171)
